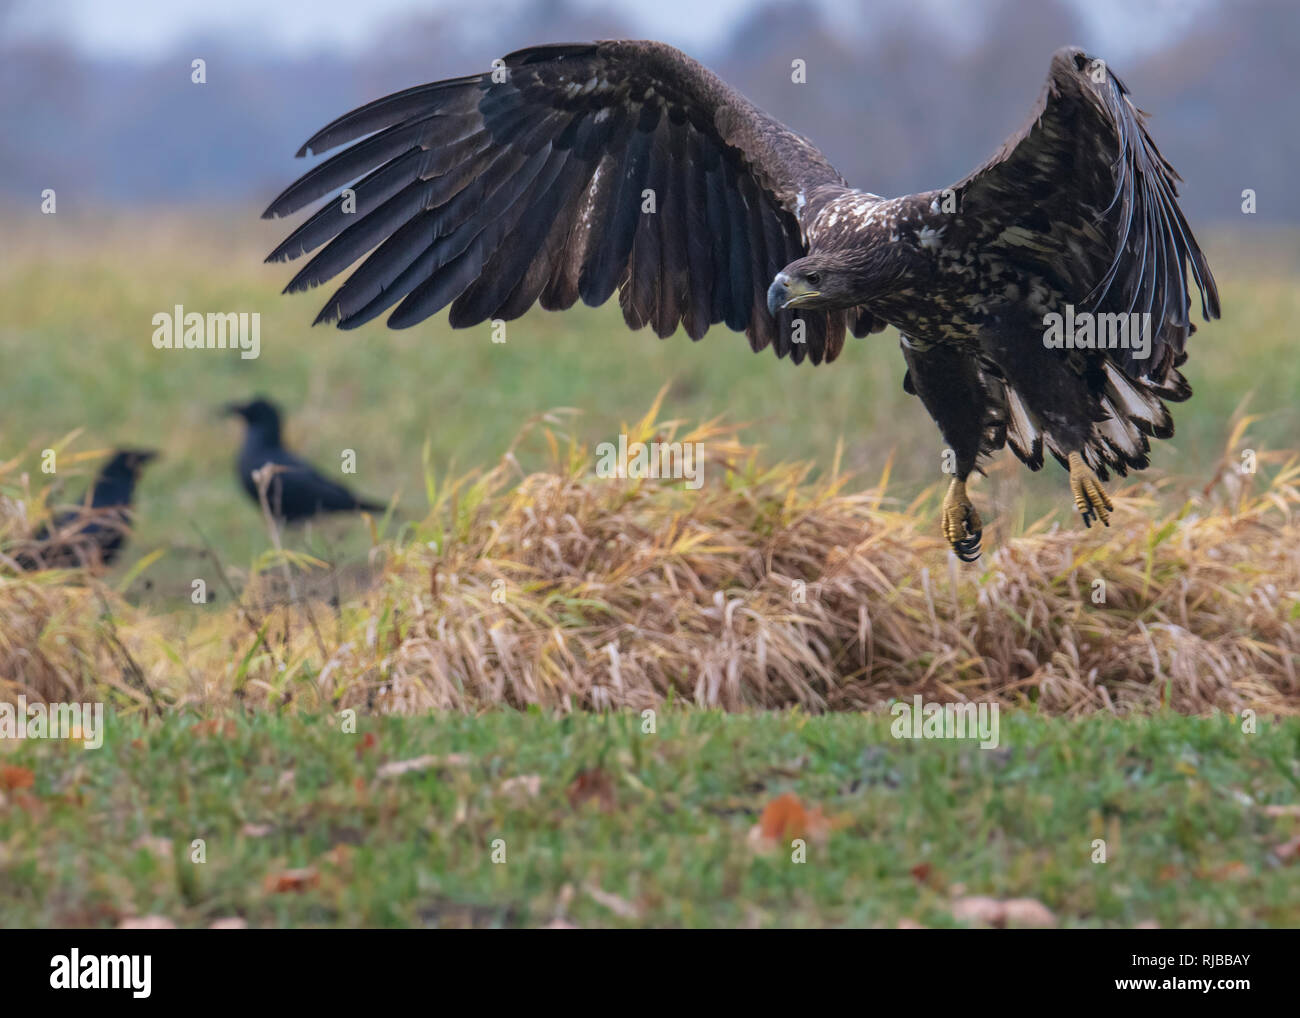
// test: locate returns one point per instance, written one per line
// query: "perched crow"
(94, 533)
(297, 490)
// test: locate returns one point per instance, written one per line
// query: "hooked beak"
(787, 293)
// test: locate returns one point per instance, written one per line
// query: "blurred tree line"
(896, 102)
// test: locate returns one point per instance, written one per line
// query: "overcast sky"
(149, 28)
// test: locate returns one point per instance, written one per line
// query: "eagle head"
(836, 280)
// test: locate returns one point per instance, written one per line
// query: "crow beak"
(233, 410)
(787, 293)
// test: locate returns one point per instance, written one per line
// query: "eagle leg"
(962, 525)
(1089, 496)
(948, 381)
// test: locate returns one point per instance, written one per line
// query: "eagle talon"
(968, 550)
(962, 525)
(1089, 497)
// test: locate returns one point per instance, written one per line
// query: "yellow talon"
(962, 525)
(1089, 496)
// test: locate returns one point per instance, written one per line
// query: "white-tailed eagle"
(1043, 300)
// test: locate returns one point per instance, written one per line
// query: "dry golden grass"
(762, 589)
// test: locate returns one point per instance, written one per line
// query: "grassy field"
(519, 819)
(78, 298)
(513, 577)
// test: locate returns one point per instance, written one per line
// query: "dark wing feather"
(491, 196)
(1083, 194)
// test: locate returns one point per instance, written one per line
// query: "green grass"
(106, 834)
(75, 341)
(102, 836)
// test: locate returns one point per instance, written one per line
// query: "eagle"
(569, 171)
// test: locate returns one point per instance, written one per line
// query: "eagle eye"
(814, 278)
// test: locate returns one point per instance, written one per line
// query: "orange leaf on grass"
(292, 880)
(16, 777)
(786, 818)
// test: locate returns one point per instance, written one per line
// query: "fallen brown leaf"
(786, 818)
(978, 909)
(592, 784)
(292, 880)
(12, 777)
(146, 922)
(1027, 912)
(992, 912)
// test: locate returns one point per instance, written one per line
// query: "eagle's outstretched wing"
(1082, 193)
(580, 169)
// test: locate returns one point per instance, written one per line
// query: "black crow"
(297, 490)
(92, 534)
